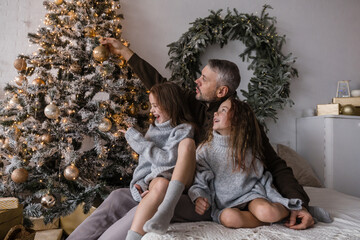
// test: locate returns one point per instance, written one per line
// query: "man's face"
(206, 85)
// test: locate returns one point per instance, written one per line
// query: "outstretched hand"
(201, 205)
(116, 47)
(112, 44)
(304, 216)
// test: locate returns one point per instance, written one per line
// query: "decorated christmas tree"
(60, 119)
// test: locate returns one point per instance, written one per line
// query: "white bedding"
(344, 209)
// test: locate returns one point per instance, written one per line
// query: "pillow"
(301, 168)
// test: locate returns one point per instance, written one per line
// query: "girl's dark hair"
(245, 134)
(170, 98)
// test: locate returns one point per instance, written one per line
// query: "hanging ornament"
(90, 32)
(100, 53)
(20, 64)
(20, 79)
(348, 109)
(52, 111)
(105, 125)
(144, 106)
(45, 138)
(76, 68)
(71, 172)
(19, 175)
(58, 2)
(133, 109)
(38, 82)
(48, 201)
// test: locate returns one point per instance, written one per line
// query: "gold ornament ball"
(20, 64)
(45, 138)
(48, 201)
(19, 175)
(348, 109)
(71, 172)
(52, 111)
(58, 2)
(100, 53)
(76, 68)
(20, 79)
(38, 82)
(105, 125)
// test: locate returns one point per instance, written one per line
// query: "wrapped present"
(70, 222)
(39, 225)
(328, 109)
(9, 218)
(51, 234)
(9, 203)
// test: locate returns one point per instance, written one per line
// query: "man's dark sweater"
(203, 113)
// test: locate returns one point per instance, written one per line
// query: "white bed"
(344, 209)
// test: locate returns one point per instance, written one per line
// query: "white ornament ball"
(20, 79)
(52, 111)
(48, 201)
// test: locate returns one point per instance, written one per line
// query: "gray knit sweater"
(224, 188)
(157, 152)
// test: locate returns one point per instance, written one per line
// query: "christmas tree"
(68, 91)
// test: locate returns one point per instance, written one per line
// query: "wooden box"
(328, 109)
(355, 101)
(9, 218)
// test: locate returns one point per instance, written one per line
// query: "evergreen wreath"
(269, 88)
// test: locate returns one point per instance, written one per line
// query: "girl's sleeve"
(203, 179)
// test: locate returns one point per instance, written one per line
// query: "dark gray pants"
(113, 218)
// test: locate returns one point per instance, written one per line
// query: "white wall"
(324, 35)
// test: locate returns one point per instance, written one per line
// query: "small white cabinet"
(331, 144)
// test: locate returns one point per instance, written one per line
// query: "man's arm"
(147, 73)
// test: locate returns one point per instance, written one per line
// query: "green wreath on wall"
(269, 88)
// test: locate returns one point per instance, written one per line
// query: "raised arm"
(147, 73)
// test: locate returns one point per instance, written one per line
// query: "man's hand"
(116, 47)
(201, 205)
(305, 217)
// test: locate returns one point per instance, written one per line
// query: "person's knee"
(265, 212)
(160, 186)
(230, 219)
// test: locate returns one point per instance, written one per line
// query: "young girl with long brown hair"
(230, 176)
(158, 180)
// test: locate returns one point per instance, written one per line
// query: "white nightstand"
(331, 144)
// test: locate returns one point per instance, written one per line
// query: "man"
(219, 79)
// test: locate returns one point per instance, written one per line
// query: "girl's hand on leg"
(201, 205)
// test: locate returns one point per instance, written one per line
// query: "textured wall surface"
(324, 35)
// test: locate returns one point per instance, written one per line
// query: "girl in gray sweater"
(230, 177)
(153, 184)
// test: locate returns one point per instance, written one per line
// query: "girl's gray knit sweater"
(224, 188)
(157, 152)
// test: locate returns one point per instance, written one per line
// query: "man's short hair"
(228, 73)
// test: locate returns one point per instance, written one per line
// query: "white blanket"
(344, 209)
